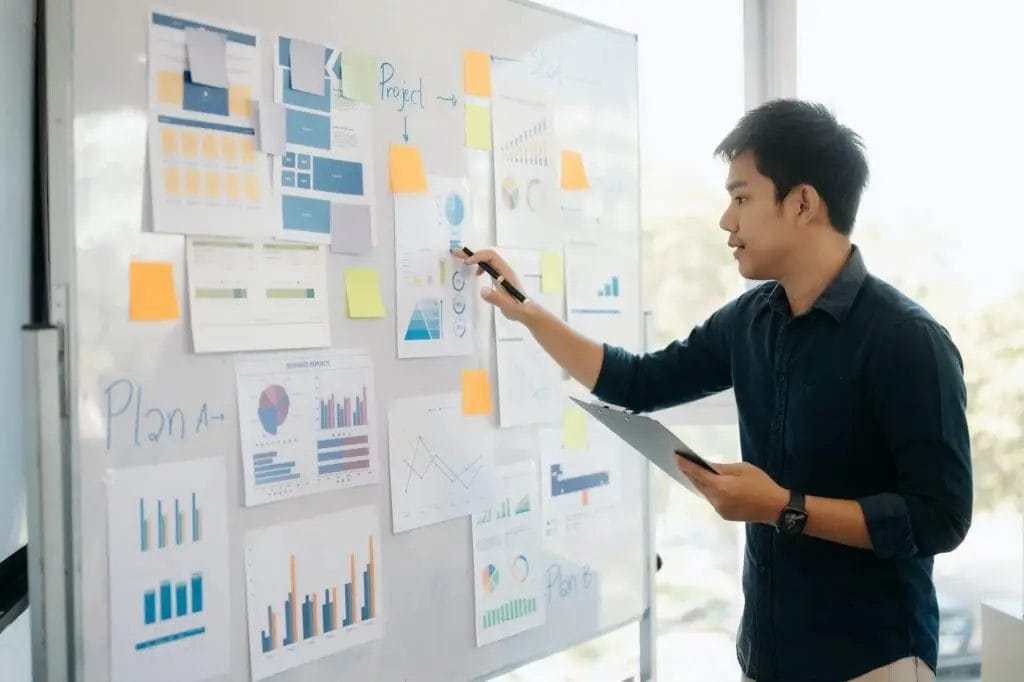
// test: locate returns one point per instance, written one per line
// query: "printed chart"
(442, 463)
(578, 485)
(314, 588)
(206, 176)
(168, 571)
(307, 424)
(328, 159)
(598, 299)
(509, 585)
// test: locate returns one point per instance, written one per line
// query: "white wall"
(16, 66)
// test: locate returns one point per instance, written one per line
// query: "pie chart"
(273, 408)
(454, 209)
(510, 193)
(490, 578)
(521, 568)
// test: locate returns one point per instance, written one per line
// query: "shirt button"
(782, 377)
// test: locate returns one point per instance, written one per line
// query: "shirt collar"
(837, 298)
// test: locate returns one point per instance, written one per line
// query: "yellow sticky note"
(189, 143)
(238, 100)
(574, 429)
(359, 76)
(550, 272)
(477, 73)
(363, 292)
(169, 140)
(574, 176)
(151, 292)
(229, 147)
(192, 182)
(478, 126)
(170, 87)
(476, 392)
(407, 174)
(172, 180)
(232, 185)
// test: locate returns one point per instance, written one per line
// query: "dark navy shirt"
(860, 398)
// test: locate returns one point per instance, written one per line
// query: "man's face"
(761, 231)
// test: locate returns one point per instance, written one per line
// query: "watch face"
(793, 521)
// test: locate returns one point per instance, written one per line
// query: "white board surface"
(128, 378)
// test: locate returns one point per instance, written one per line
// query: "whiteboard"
(590, 74)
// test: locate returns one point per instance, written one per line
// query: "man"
(856, 460)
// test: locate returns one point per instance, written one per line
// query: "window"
(930, 95)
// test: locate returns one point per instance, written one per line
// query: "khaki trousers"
(909, 669)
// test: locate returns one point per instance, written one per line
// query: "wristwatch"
(793, 516)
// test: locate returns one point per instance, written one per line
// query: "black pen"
(498, 278)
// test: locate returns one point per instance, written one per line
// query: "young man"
(856, 459)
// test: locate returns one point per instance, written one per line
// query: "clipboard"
(647, 436)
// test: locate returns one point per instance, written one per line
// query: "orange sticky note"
(151, 292)
(407, 174)
(477, 73)
(574, 175)
(476, 392)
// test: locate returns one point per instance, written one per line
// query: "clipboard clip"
(624, 411)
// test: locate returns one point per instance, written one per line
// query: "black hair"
(796, 143)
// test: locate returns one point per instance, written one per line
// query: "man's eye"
(740, 200)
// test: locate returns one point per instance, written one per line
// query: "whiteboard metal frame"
(58, 142)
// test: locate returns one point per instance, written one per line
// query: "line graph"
(433, 461)
(442, 463)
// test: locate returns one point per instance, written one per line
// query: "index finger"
(694, 472)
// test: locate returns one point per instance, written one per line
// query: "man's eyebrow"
(734, 185)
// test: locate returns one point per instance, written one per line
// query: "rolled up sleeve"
(920, 404)
(683, 371)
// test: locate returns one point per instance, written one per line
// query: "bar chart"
(186, 524)
(305, 421)
(324, 595)
(168, 571)
(580, 485)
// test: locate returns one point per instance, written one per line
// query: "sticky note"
(170, 87)
(574, 176)
(169, 140)
(363, 292)
(359, 76)
(189, 143)
(232, 186)
(151, 292)
(172, 180)
(192, 182)
(207, 57)
(239, 97)
(477, 73)
(271, 120)
(476, 392)
(574, 429)
(407, 174)
(307, 64)
(478, 126)
(351, 228)
(551, 272)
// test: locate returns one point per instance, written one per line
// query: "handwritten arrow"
(450, 99)
(405, 130)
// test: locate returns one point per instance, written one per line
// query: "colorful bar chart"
(319, 612)
(192, 531)
(267, 469)
(565, 486)
(338, 455)
(610, 288)
(349, 411)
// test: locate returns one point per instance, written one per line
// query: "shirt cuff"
(613, 381)
(888, 521)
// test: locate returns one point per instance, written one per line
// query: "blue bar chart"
(322, 595)
(182, 525)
